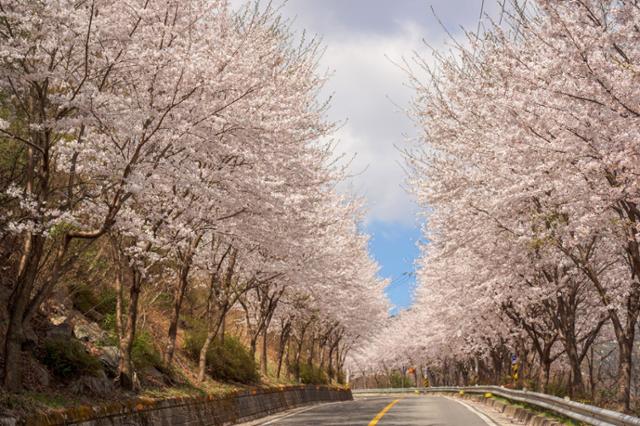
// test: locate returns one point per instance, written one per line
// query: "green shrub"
(108, 322)
(397, 380)
(557, 388)
(68, 358)
(106, 301)
(229, 361)
(143, 352)
(312, 375)
(164, 301)
(86, 299)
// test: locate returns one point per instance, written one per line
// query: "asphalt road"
(381, 410)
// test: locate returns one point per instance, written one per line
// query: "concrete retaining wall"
(197, 411)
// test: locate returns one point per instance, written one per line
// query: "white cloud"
(362, 38)
(369, 91)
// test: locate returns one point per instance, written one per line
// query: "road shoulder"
(490, 418)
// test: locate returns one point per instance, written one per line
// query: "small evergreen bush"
(108, 323)
(312, 375)
(143, 352)
(229, 361)
(86, 299)
(67, 358)
(397, 380)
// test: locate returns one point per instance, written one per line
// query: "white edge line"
(298, 411)
(488, 420)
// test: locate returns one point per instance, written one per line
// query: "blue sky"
(363, 38)
(394, 246)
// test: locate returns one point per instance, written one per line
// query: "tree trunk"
(337, 352)
(223, 326)
(524, 368)
(625, 336)
(545, 371)
(298, 353)
(125, 367)
(297, 360)
(119, 319)
(172, 334)
(322, 357)
(592, 382)
(576, 386)
(202, 359)
(281, 349)
(624, 373)
(330, 368)
(32, 248)
(263, 357)
(287, 360)
(17, 308)
(216, 289)
(298, 357)
(253, 345)
(283, 341)
(212, 332)
(340, 358)
(312, 345)
(183, 283)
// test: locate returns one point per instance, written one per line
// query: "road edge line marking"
(381, 414)
(288, 413)
(485, 418)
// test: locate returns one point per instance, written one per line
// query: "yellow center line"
(377, 418)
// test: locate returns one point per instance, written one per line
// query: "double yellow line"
(377, 418)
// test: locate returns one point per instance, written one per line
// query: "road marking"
(279, 416)
(377, 418)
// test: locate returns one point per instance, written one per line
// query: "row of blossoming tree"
(529, 180)
(183, 139)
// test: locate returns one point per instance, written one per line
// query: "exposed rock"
(60, 328)
(57, 320)
(94, 315)
(110, 357)
(94, 385)
(89, 332)
(154, 377)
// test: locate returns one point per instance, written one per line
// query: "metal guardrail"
(571, 409)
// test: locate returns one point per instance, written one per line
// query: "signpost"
(515, 367)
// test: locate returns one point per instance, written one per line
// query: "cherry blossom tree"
(188, 136)
(527, 175)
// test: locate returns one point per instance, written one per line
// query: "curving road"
(384, 410)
